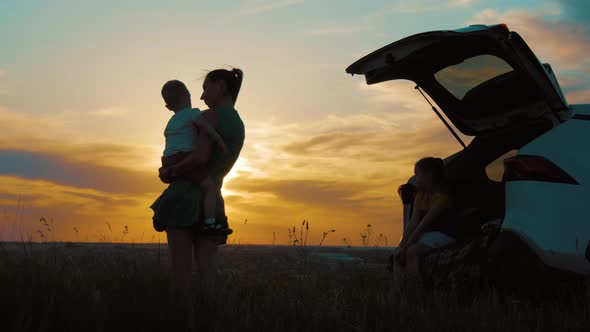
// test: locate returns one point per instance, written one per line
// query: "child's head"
(429, 173)
(176, 95)
(222, 84)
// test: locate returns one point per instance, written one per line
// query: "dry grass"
(49, 287)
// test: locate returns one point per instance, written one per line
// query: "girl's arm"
(432, 215)
(417, 215)
(203, 125)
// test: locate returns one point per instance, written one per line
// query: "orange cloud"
(76, 182)
(54, 167)
(25, 201)
(43, 133)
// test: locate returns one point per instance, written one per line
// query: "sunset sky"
(82, 119)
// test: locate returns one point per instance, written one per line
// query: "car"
(490, 85)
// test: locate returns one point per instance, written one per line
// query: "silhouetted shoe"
(159, 227)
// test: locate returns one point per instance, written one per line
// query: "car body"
(490, 85)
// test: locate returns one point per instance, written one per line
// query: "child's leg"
(220, 203)
(210, 193)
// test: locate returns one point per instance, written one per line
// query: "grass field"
(104, 287)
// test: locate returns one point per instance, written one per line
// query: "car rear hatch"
(482, 77)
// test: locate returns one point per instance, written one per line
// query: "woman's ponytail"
(232, 78)
(238, 77)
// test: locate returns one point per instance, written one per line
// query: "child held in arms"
(178, 205)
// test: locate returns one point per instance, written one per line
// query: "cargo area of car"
(474, 175)
(467, 172)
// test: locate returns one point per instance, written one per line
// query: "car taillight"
(534, 168)
(406, 192)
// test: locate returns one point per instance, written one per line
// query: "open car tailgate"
(482, 77)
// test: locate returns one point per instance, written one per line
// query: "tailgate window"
(459, 79)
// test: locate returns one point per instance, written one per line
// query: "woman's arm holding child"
(203, 125)
(196, 158)
(202, 151)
